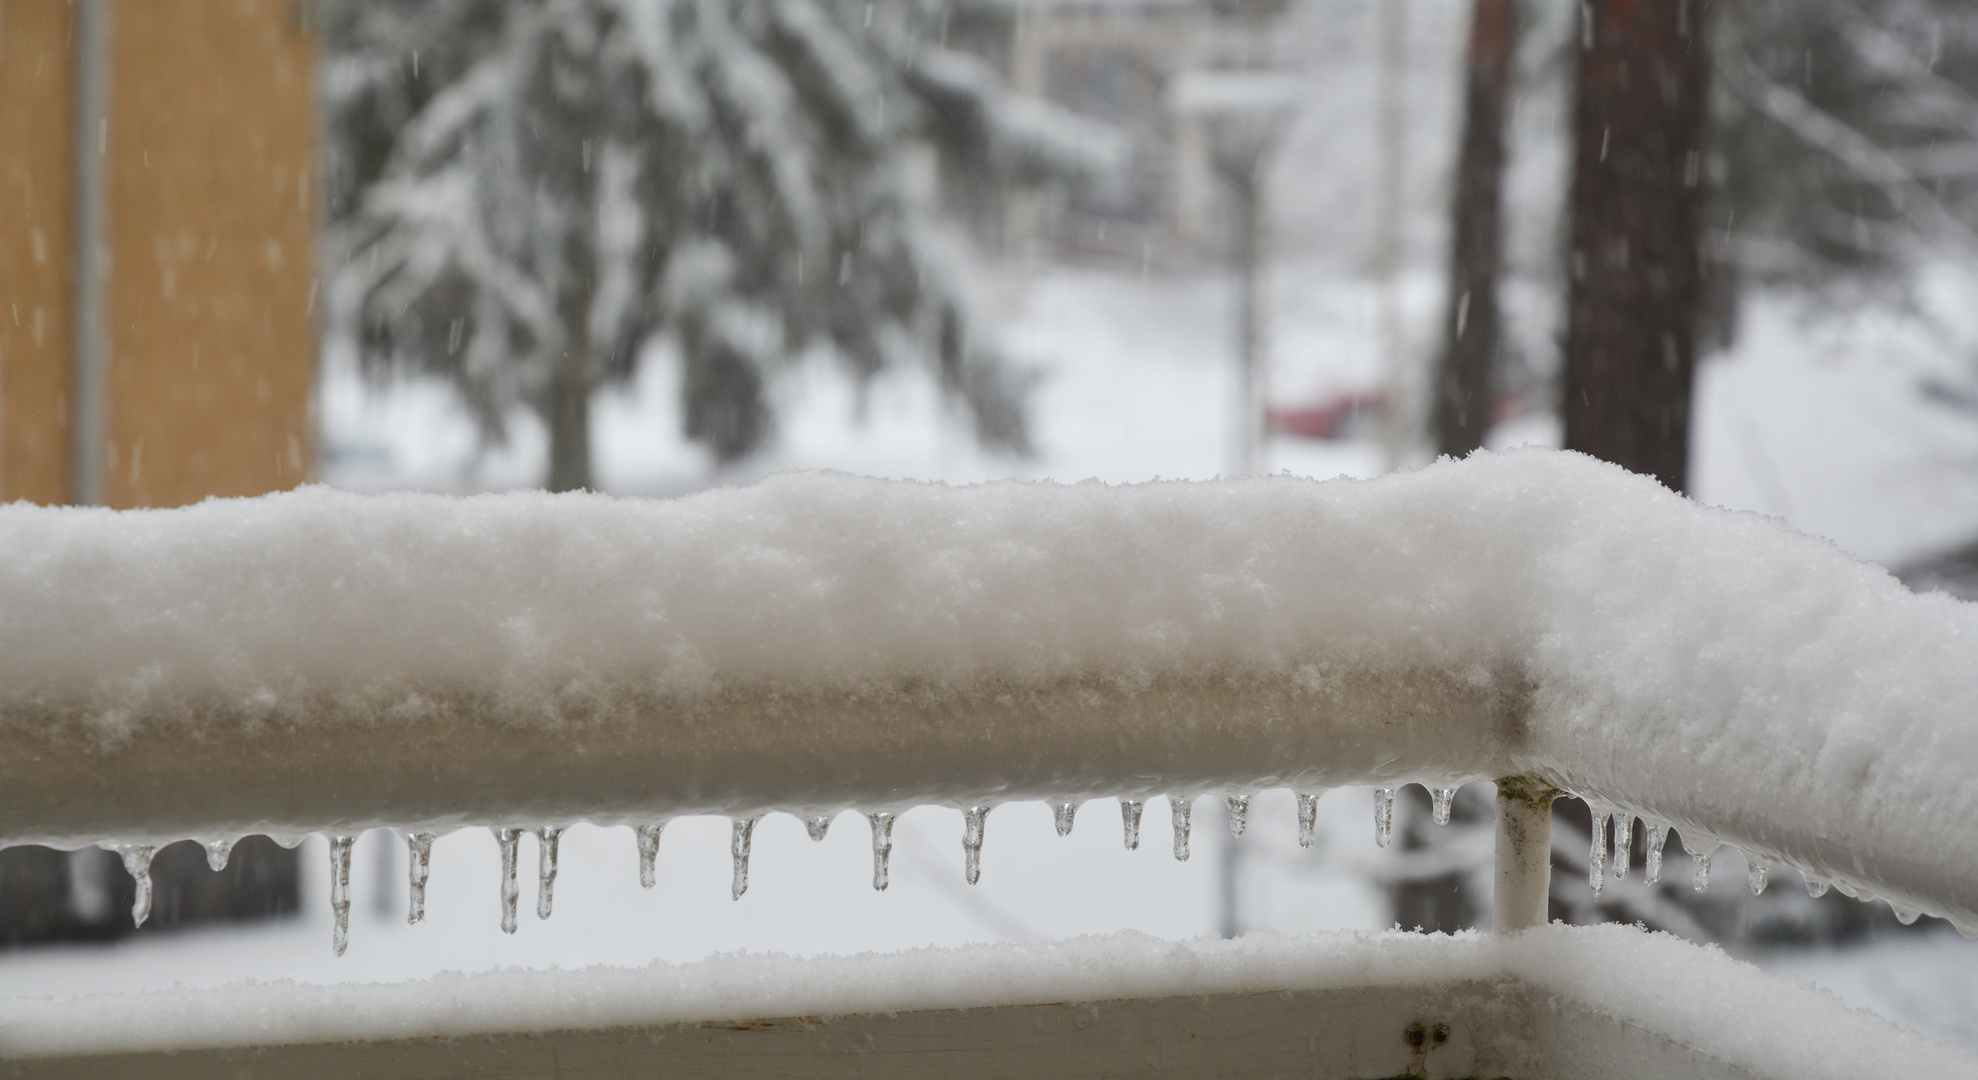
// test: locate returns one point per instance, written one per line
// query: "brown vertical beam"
(1635, 263)
(212, 216)
(1471, 331)
(37, 129)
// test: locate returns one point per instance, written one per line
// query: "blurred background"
(650, 247)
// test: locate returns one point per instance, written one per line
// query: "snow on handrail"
(323, 661)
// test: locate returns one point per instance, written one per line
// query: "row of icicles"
(137, 858)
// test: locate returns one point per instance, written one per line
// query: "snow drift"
(326, 661)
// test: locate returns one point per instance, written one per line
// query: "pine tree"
(521, 194)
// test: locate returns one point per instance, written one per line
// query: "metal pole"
(1251, 343)
(1524, 854)
(87, 421)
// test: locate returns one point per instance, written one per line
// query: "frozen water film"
(217, 854)
(1129, 812)
(1238, 810)
(1383, 815)
(1308, 819)
(882, 846)
(340, 892)
(511, 843)
(418, 867)
(972, 825)
(137, 863)
(738, 850)
(648, 840)
(1179, 807)
(548, 838)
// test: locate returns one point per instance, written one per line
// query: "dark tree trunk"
(567, 404)
(1636, 266)
(1472, 329)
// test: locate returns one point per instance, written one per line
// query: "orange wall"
(37, 125)
(210, 226)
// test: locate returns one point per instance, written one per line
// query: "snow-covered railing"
(320, 661)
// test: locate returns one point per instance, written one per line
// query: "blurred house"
(157, 346)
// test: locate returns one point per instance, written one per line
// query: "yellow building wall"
(37, 228)
(210, 219)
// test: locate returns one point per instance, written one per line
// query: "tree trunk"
(1635, 259)
(567, 404)
(1462, 401)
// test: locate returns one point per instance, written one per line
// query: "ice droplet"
(738, 850)
(1383, 815)
(818, 826)
(1179, 807)
(972, 824)
(1654, 836)
(1816, 887)
(1308, 820)
(511, 841)
(1624, 842)
(217, 854)
(1701, 880)
(137, 863)
(340, 892)
(1597, 854)
(1239, 813)
(1061, 815)
(882, 846)
(1442, 798)
(1905, 915)
(648, 836)
(1755, 875)
(1129, 813)
(546, 845)
(417, 868)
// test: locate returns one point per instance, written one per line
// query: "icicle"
(1061, 815)
(1239, 813)
(1624, 842)
(817, 827)
(1701, 881)
(1597, 855)
(340, 892)
(1442, 798)
(882, 847)
(137, 862)
(648, 836)
(1654, 835)
(418, 867)
(1129, 812)
(1905, 915)
(1383, 815)
(511, 841)
(546, 845)
(738, 850)
(1308, 820)
(1755, 875)
(1816, 887)
(217, 854)
(1178, 810)
(972, 824)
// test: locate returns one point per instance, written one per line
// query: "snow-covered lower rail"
(319, 661)
(1554, 1003)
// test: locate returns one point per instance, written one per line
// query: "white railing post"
(1524, 854)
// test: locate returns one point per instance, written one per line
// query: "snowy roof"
(320, 660)
(1536, 1003)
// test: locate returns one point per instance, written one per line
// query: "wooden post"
(1524, 854)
